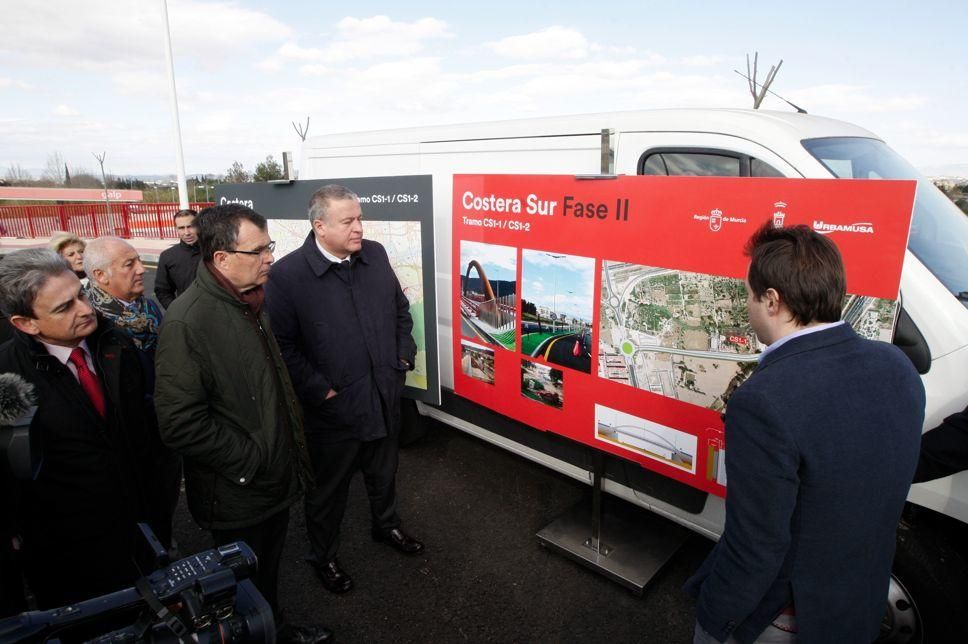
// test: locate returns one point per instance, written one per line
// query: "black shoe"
(314, 634)
(334, 578)
(399, 539)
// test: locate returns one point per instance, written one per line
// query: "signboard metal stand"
(634, 550)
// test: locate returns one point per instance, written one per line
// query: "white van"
(932, 328)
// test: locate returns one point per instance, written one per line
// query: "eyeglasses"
(271, 247)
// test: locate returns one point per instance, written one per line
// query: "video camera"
(207, 597)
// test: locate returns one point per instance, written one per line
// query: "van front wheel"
(927, 602)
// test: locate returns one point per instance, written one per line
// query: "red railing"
(89, 220)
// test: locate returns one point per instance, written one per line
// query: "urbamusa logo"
(716, 219)
(864, 228)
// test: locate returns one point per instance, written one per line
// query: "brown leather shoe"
(333, 578)
(400, 540)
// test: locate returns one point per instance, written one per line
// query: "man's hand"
(330, 394)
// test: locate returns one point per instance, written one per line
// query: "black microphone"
(16, 398)
(22, 446)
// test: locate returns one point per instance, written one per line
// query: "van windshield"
(939, 230)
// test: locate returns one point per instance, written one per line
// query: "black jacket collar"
(318, 262)
(809, 342)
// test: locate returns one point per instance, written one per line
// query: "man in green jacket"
(225, 402)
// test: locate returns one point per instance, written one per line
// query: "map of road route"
(402, 241)
(687, 335)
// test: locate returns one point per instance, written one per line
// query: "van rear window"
(939, 230)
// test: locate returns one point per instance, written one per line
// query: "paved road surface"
(483, 576)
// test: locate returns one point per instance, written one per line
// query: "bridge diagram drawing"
(658, 442)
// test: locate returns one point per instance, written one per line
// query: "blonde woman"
(70, 247)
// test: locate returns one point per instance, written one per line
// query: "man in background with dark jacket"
(343, 324)
(225, 402)
(78, 517)
(177, 264)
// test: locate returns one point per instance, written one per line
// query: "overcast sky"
(78, 76)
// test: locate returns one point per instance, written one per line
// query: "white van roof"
(760, 125)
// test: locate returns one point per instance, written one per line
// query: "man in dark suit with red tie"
(77, 518)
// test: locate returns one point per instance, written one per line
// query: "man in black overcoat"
(343, 325)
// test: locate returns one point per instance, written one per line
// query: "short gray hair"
(98, 255)
(23, 273)
(319, 202)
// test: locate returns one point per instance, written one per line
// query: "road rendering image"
(556, 308)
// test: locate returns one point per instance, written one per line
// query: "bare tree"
(104, 180)
(54, 170)
(17, 176)
(300, 130)
(759, 91)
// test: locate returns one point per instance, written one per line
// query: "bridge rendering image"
(488, 293)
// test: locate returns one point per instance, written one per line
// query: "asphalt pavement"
(483, 577)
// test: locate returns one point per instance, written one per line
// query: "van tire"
(928, 602)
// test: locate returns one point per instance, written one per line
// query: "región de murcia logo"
(716, 219)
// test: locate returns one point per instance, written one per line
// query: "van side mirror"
(908, 339)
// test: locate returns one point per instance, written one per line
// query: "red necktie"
(89, 382)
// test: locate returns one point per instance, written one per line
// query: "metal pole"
(182, 185)
(107, 199)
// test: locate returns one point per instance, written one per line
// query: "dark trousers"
(266, 540)
(334, 465)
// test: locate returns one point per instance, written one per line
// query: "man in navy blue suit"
(821, 441)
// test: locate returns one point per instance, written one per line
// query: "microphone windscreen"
(16, 397)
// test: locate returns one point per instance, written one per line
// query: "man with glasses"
(177, 264)
(343, 324)
(225, 402)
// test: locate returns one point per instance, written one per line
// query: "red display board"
(612, 311)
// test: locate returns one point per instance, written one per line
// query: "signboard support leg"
(637, 545)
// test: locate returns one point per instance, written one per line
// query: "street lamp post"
(555, 298)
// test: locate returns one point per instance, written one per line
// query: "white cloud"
(116, 35)
(359, 39)
(703, 61)
(551, 43)
(490, 256)
(64, 110)
(11, 83)
(843, 98)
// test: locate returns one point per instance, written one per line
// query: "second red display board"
(613, 311)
